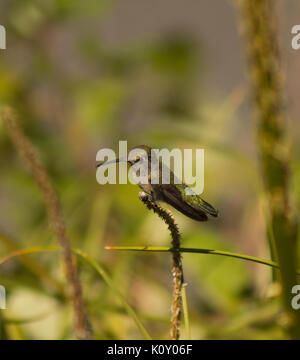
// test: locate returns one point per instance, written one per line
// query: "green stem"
(108, 281)
(186, 314)
(198, 251)
(96, 267)
(259, 21)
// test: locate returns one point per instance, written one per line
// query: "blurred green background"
(84, 75)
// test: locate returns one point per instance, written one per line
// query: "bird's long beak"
(112, 162)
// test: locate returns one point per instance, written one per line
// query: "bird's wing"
(190, 202)
(172, 196)
(196, 201)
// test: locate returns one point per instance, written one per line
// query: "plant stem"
(186, 314)
(55, 218)
(96, 266)
(196, 251)
(259, 24)
(177, 271)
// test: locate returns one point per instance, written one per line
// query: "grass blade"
(106, 278)
(198, 251)
(109, 282)
(185, 314)
(23, 252)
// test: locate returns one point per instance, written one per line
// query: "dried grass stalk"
(177, 271)
(55, 217)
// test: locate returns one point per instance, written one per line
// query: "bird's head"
(140, 153)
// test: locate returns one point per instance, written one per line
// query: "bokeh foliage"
(75, 95)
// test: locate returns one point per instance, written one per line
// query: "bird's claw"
(144, 196)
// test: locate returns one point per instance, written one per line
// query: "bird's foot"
(144, 196)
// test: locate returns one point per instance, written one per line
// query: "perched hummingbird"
(174, 194)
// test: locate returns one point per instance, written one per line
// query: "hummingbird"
(175, 193)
